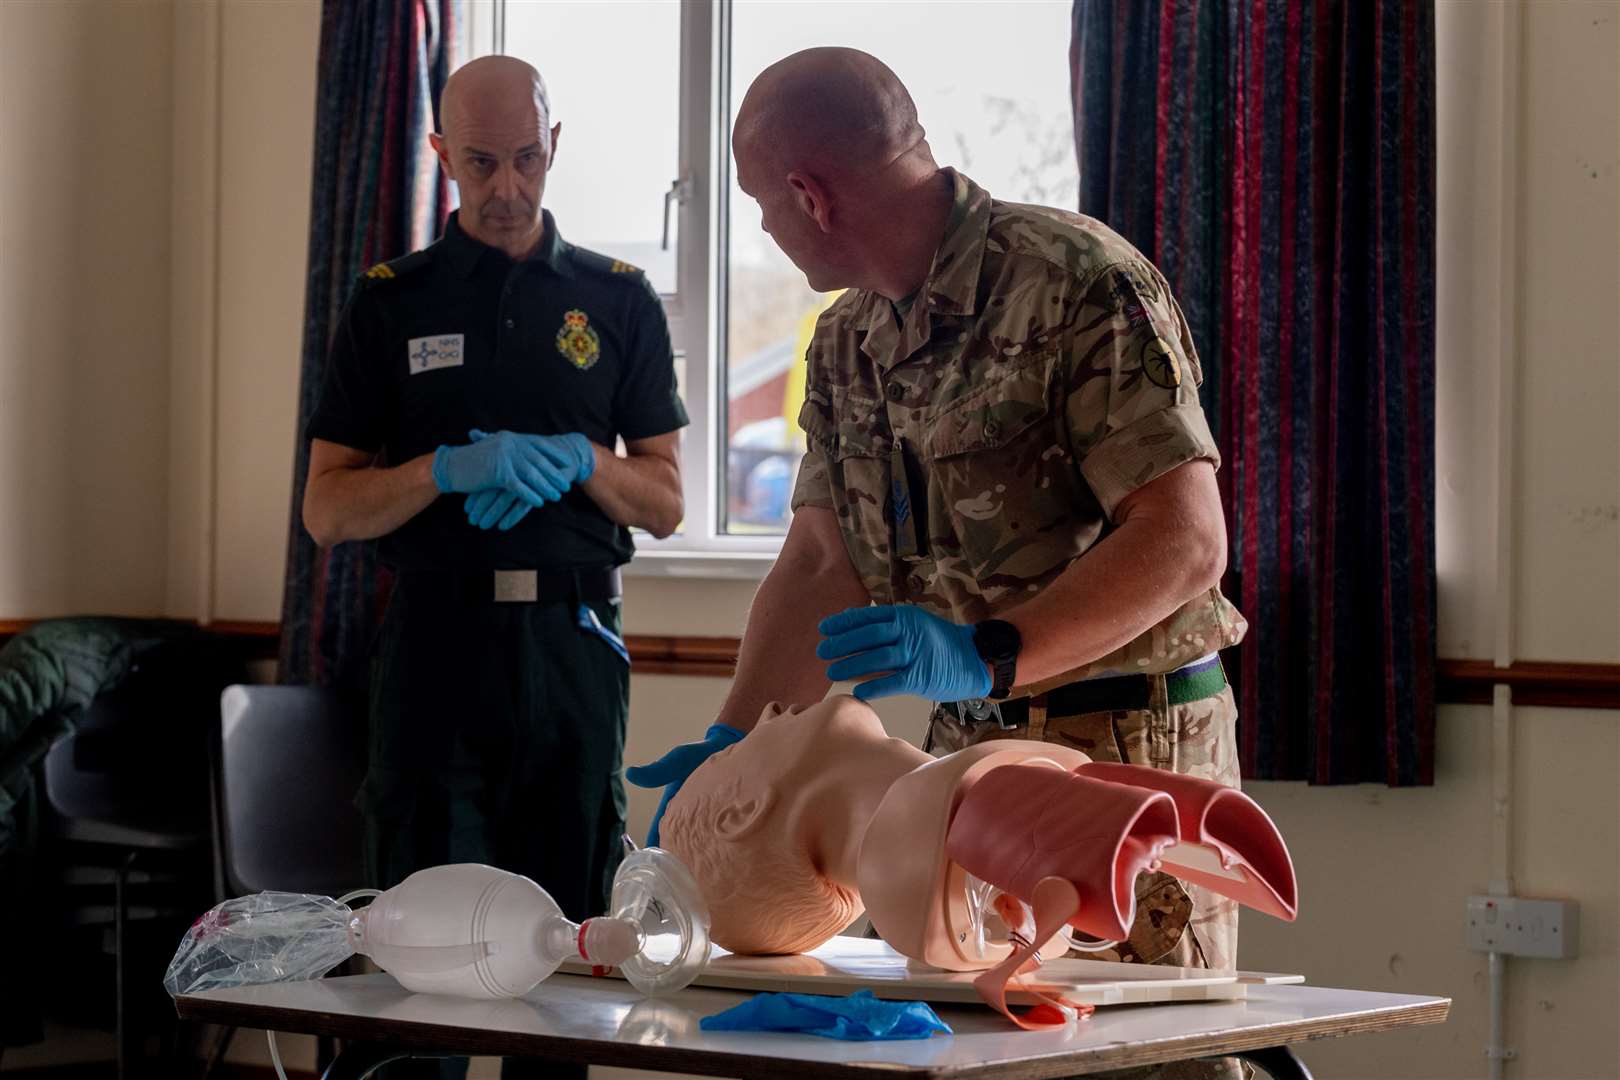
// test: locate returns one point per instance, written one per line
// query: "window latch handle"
(679, 191)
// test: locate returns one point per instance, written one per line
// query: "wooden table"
(605, 1022)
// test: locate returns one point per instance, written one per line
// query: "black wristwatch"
(998, 644)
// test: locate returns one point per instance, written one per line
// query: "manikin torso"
(916, 897)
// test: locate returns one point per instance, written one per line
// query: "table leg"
(1277, 1062)
(356, 1061)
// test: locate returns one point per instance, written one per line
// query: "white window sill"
(654, 562)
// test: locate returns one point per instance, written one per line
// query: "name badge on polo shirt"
(429, 353)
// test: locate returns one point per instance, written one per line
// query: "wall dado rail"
(1461, 682)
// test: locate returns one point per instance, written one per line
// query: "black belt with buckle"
(524, 586)
(1196, 681)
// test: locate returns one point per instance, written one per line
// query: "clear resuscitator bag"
(466, 930)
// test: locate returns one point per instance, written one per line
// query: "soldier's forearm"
(1170, 548)
(778, 661)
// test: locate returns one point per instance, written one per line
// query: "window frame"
(696, 311)
(697, 314)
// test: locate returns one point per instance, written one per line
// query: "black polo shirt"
(458, 336)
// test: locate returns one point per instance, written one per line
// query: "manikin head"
(828, 144)
(496, 146)
(769, 827)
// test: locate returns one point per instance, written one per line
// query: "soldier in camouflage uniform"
(1017, 439)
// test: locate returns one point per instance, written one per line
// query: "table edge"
(656, 1057)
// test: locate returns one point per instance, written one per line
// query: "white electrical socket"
(1517, 926)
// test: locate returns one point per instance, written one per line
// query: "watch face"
(995, 638)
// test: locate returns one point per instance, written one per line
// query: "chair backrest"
(292, 759)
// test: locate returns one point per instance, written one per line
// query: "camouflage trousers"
(1177, 922)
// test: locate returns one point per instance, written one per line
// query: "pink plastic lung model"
(1095, 834)
(1090, 832)
(1228, 844)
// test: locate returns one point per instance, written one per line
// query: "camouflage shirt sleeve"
(1132, 402)
(814, 484)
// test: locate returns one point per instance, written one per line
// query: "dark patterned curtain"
(377, 194)
(1276, 159)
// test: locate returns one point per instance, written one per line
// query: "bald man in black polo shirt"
(475, 394)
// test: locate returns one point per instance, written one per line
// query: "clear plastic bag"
(264, 938)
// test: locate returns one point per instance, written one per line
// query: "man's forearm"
(640, 491)
(778, 656)
(1111, 595)
(366, 502)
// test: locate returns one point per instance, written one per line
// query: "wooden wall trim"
(1461, 682)
(1533, 682)
(652, 654)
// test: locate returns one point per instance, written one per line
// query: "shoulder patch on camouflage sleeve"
(1159, 363)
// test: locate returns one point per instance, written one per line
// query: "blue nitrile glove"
(671, 770)
(495, 508)
(574, 449)
(588, 621)
(858, 1017)
(499, 507)
(927, 655)
(507, 460)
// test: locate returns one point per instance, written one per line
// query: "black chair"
(290, 761)
(126, 826)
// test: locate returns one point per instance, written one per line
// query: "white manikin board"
(846, 964)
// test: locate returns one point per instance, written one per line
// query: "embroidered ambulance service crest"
(577, 341)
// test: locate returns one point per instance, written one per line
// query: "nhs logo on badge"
(428, 353)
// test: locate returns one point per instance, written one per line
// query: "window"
(614, 186)
(645, 92)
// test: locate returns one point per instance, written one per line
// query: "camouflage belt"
(1198, 680)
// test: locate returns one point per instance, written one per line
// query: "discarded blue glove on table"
(860, 1017)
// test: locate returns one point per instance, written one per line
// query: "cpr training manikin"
(979, 860)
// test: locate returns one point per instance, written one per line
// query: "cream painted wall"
(1383, 874)
(1567, 526)
(84, 306)
(1467, 286)
(268, 127)
(193, 302)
